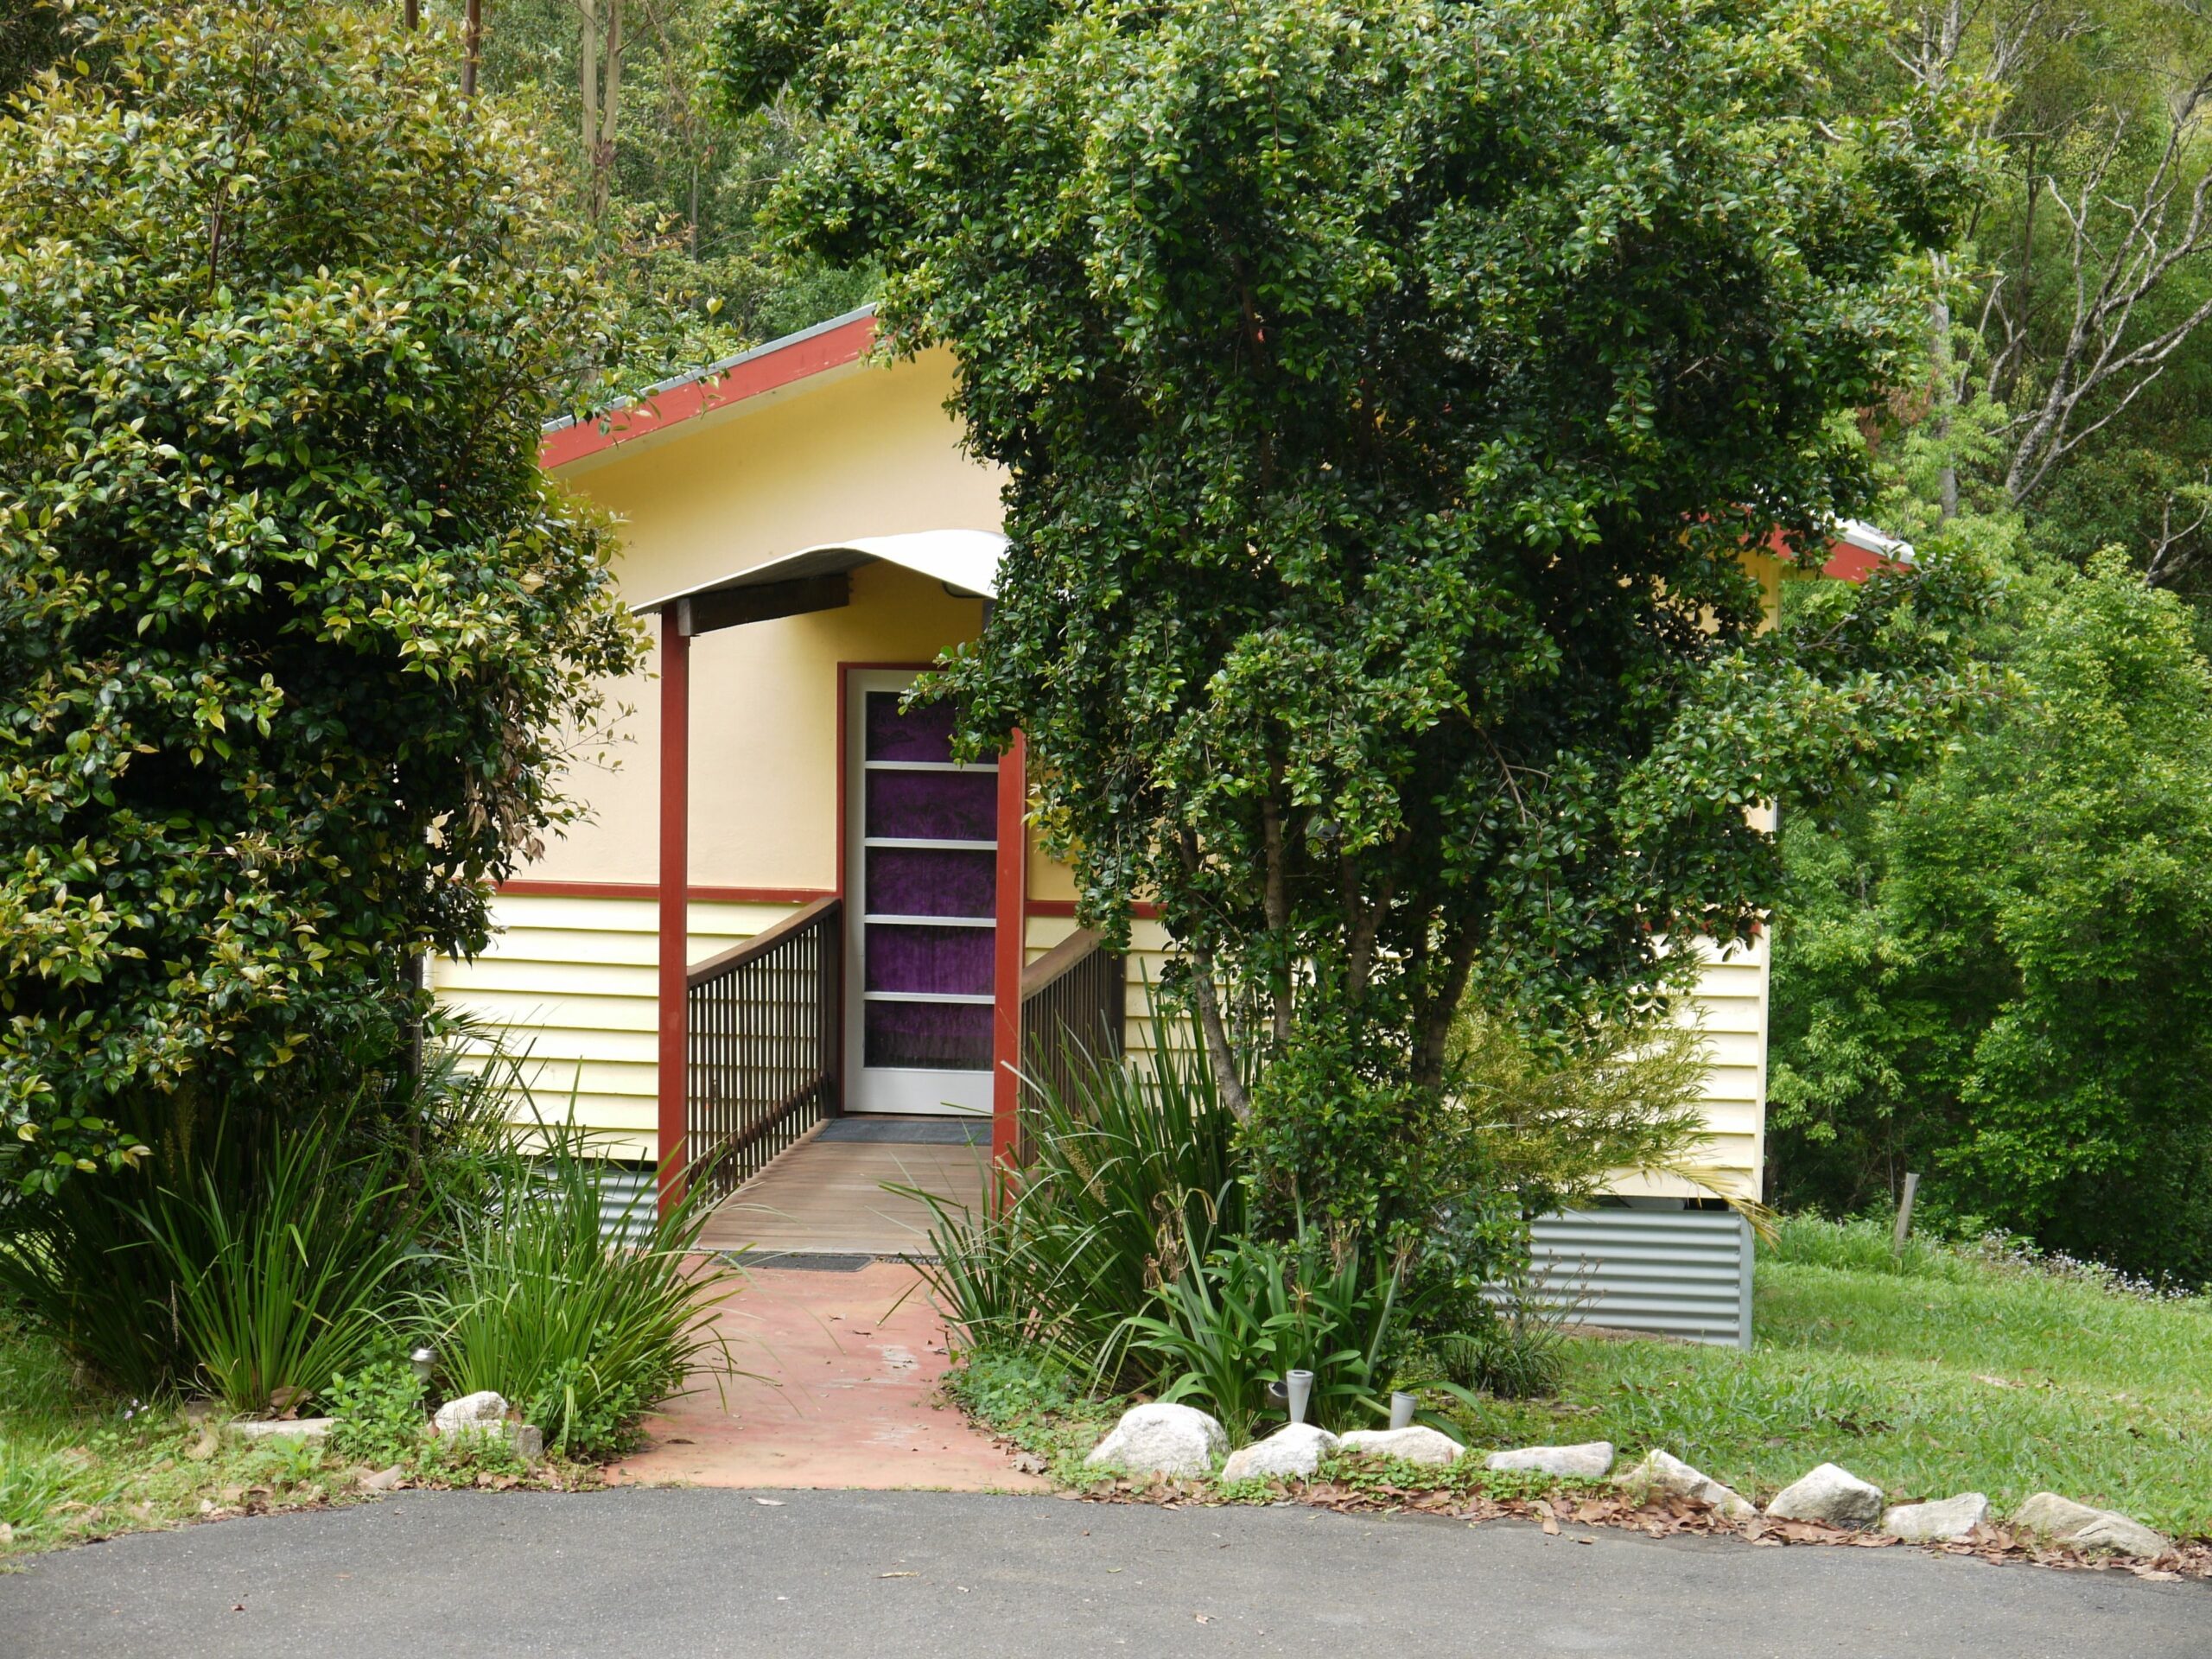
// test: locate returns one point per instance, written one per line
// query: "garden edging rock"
(1293, 1451)
(2080, 1527)
(1663, 1472)
(1419, 1444)
(480, 1413)
(1831, 1494)
(1590, 1457)
(280, 1429)
(1942, 1522)
(1162, 1440)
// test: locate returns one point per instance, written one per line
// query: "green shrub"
(1132, 1174)
(298, 631)
(1519, 1352)
(1253, 1311)
(585, 1334)
(376, 1414)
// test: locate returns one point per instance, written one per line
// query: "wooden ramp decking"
(826, 1196)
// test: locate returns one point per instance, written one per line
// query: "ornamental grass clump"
(542, 1301)
(247, 1268)
(1132, 1174)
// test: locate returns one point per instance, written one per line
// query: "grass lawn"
(1951, 1372)
(77, 1464)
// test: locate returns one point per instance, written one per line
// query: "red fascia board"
(809, 355)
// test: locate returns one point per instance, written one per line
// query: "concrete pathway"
(843, 1394)
(917, 1575)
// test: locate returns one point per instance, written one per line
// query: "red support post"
(675, 920)
(1011, 912)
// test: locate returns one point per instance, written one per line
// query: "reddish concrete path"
(845, 1394)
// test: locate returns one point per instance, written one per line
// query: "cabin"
(798, 950)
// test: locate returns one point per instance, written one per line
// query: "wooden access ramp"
(830, 1195)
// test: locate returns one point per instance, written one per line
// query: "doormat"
(798, 1261)
(910, 1131)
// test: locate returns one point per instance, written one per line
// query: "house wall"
(856, 451)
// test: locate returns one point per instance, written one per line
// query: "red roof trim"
(769, 370)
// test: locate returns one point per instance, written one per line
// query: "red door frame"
(1011, 945)
(674, 920)
(672, 1081)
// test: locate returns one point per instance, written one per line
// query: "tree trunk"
(1939, 351)
(1219, 1054)
(587, 84)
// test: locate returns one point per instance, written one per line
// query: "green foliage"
(1132, 1175)
(293, 633)
(252, 1268)
(584, 1334)
(1331, 1135)
(377, 1415)
(2003, 978)
(1388, 390)
(694, 270)
(1557, 1124)
(1251, 1313)
(1519, 1352)
(276, 1288)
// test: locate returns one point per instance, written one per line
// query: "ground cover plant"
(1959, 1369)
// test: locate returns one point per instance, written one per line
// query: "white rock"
(281, 1428)
(1662, 1472)
(1420, 1444)
(1162, 1440)
(1590, 1458)
(1294, 1450)
(475, 1413)
(2079, 1527)
(1937, 1522)
(1830, 1494)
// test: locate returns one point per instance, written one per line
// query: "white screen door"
(921, 886)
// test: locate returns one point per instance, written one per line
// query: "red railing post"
(1010, 913)
(672, 1083)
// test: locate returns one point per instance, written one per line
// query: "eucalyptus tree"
(1388, 389)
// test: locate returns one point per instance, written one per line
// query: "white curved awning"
(967, 559)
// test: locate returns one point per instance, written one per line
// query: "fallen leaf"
(1202, 1618)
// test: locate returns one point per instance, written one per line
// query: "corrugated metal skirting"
(1675, 1273)
(626, 1201)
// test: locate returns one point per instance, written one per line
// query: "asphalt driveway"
(675, 1573)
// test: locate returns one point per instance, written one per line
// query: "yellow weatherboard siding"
(860, 450)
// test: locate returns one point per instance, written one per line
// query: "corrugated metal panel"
(626, 1201)
(1676, 1272)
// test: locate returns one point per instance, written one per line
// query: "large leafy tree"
(293, 630)
(1388, 389)
(2003, 976)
